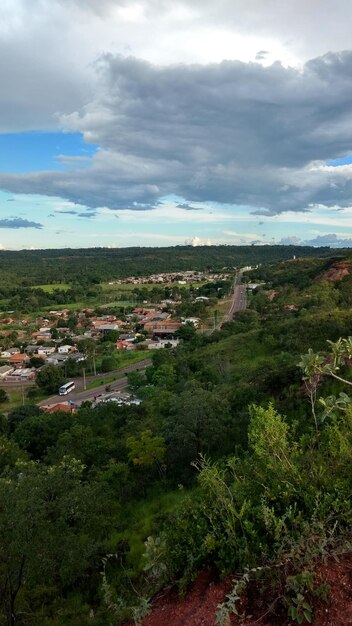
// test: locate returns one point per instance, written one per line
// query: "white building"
(65, 349)
(163, 343)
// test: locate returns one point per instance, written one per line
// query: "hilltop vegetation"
(237, 458)
(28, 268)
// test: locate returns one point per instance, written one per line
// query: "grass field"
(18, 397)
(53, 287)
(128, 358)
(122, 359)
(222, 307)
(104, 381)
(129, 287)
(118, 303)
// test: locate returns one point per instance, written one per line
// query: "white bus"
(65, 389)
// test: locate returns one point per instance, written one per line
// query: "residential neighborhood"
(103, 338)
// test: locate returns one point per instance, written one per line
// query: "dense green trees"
(108, 363)
(3, 396)
(88, 267)
(276, 508)
(272, 453)
(197, 423)
(48, 520)
(50, 378)
(187, 332)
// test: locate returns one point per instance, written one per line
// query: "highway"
(89, 394)
(238, 302)
(79, 394)
(79, 381)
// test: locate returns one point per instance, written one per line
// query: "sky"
(165, 122)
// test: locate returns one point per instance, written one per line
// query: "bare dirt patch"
(199, 606)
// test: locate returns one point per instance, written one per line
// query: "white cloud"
(47, 53)
(332, 240)
(234, 133)
(240, 132)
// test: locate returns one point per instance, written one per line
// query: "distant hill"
(95, 265)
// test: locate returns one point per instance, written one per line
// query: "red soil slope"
(337, 272)
(198, 607)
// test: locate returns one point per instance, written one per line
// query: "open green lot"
(17, 397)
(215, 312)
(53, 287)
(122, 359)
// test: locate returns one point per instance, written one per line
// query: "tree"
(73, 368)
(37, 433)
(197, 423)
(72, 322)
(165, 376)
(19, 414)
(111, 336)
(88, 348)
(268, 437)
(36, 361)
(187, 332)
(108, 364)
(146, 450)
(54, 333)
(3, 396)
(48, 519)
(50, 378)
(136, 380)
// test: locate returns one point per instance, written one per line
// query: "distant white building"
(192, 320)
(45, 350)
(65, 349)
(163, 343)
(252, 286)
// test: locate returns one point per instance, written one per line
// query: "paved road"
(78, 395)
(128, 368)
(90, 394)
(79, 381)
(238, 302)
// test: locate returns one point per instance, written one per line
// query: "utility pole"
(84, 379)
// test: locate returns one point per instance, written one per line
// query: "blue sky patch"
(346, 160)
(38, 151)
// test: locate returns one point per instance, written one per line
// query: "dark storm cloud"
(87, 215)
(233, 132)
(187, 207)
(19, 222)
(262, 54)
(47, 86)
